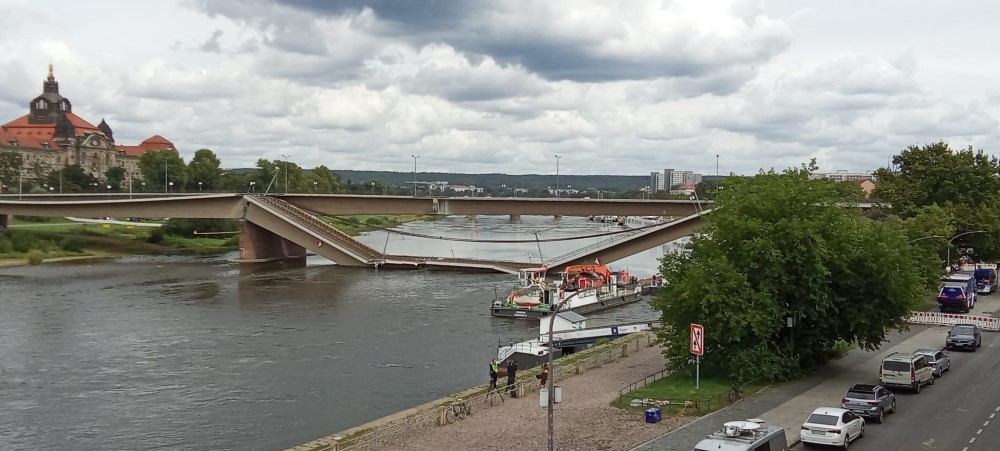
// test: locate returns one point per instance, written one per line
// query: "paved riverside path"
(783, 404)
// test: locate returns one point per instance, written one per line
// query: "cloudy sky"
(622, 87)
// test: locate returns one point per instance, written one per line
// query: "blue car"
(986, 280)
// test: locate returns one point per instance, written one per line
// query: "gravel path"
(583, 420)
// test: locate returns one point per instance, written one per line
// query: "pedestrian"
(544, 375)
(512, 377)
(494, 371)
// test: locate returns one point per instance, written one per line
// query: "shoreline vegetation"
(37, 240)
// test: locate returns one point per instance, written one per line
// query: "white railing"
(951, 319)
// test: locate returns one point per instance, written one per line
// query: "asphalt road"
(960, 412)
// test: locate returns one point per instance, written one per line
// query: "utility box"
(558, 394)
(654, 415)
(543, 397)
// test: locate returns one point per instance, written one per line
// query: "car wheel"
(847, 441)
(974, 348)
(862, 434)
(892, 408)
(931, 382)
(979, 344)
(881, 417)
(916, 387)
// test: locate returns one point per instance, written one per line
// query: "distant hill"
(617, 183)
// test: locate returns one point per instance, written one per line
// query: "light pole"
(60, 180)
(717, 172)
(415, 174)
(948, 260)
(199, 187)
(286, 172)
(165, 171)
(314, 186)
(171, 186)
(143, 187)
(924, 238)
(251, 186)
(558, 157)
(552, 371)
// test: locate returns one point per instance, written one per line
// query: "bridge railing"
(618, 237)
(327, 231)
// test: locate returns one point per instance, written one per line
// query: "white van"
(749, 435)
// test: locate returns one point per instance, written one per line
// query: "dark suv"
(964, 336)
(871, 401)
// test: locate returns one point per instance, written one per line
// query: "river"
(202, 353)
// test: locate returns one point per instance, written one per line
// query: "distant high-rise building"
(845, 176)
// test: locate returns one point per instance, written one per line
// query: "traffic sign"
(697, 339)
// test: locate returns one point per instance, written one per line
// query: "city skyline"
(475, 86)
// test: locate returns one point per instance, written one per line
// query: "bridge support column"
(259, 244)
(4, 220)
(515, 218)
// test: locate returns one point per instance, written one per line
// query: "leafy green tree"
(159, 167)
(205, 168)
(72, 179)
(327, 181)
(780, 246)
(115, 177)
(10, 166)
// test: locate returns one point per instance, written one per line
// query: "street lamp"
(558, 157)
(415, 174)
(171, 185)
(716, 172)
(286, 172)
(165, 171)
(552, 371)
(924, 238)
(143, 187)
(314, 186)
(199, 187)
(251, 186)
(948, 260)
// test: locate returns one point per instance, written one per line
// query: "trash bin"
(558, 394)
(543, 397)
(654, 415)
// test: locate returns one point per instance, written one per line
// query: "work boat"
(581, 289)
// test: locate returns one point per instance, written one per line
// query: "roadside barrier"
(950, 319)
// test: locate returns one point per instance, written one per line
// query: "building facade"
(51, 137)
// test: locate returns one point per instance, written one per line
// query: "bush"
(187, 227)
(5, 246)
(156, 236)
(36, 218)
(72, 243)
(374, 221)
(24, 242)
(35, 257)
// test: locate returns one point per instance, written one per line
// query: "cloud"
(212, 44)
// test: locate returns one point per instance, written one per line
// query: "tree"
(964, 183)
(779, 246)
(327, 181)
(10, 167)
(159, 167)
(115, 176)
(204, 168)
(71, 179)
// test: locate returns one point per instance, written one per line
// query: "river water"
(202, 353)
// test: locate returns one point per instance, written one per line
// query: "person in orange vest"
(544, 375)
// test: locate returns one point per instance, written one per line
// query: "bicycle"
(457, 411)
(735, 392)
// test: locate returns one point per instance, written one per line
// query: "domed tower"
(106, 129)
(48, 107)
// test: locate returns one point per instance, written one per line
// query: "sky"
(519, 87)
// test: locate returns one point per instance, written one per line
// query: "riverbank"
(585, 419)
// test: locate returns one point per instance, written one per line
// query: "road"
(960, 412)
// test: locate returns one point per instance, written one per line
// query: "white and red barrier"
(973, 267)
(951, 319)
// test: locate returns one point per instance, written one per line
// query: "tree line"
(789, 269)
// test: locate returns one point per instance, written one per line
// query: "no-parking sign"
(697, 339)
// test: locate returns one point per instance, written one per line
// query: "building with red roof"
(51, 137)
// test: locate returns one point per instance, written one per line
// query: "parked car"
(750, 435)
(832, 426)
(871, 401)
(986, 280)
(964, 336)
(938, 359)
(901, 369)
(957, 293)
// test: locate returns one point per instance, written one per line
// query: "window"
(861, 394)
(766, 446)
(890, 365)
(41, 104)
(826, 420)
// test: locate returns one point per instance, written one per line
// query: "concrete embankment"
(432, 414)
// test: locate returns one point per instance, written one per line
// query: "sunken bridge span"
(286, 226)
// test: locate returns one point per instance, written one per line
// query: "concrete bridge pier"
(515, 218)
(4, 221)
(258, 244)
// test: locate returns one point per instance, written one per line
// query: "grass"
(679, 387)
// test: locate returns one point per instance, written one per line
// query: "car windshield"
(890, 365)
(861, 394)
(962, 331)
(826, 420)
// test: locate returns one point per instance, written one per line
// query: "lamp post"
(60, 180)
(165, 171)
(251, 186)
(171, 186)
(558, 157)
(286, 172)
(143, 187)
(552, 371)
(717, 172)
(314, 186)
(20, 176)
(952, 240)
(199, 187)
(924, 238)
(415, 174)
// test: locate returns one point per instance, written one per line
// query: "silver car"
(938, 359)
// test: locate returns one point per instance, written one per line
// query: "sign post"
(698, 349)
